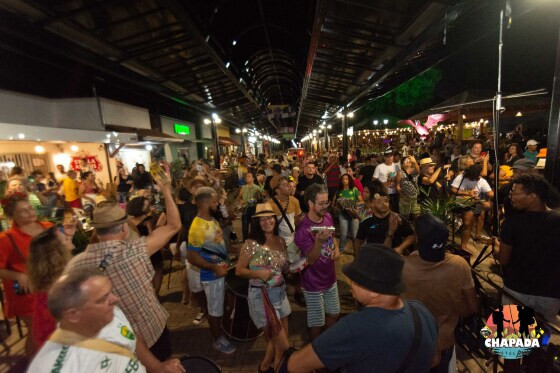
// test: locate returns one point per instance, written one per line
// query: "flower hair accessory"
(376, 196)
(4, 201)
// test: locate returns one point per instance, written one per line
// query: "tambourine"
(298, 266)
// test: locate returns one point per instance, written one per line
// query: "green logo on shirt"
(127, 333)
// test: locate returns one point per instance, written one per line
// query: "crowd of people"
(298, 216)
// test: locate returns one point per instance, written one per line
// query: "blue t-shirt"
(205, 238)
(378, 340)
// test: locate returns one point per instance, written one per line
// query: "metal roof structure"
(270, 65)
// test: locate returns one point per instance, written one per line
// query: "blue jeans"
(246, 220)
(348, 226)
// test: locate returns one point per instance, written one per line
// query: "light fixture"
(108, 135)
(207, 121)
(244, 130)
(339, 115)
(115, 134)
(205, 148)
(246, 62)
(464, 116)
(237, 130)
(518, 114)
(350, 115)
(385, 121)
(149, 147)
(21, 136)
(74, 148)
(329, 126)
(227, 64)
(376, 122)
(39, 149)
(234, 42)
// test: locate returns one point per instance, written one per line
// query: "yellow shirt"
(70, 189)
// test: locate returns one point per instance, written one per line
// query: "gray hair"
(203, 194)
(115, 229)
(312, 191)
(67, 292)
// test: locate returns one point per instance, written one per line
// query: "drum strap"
(283, 211)
(69, 338)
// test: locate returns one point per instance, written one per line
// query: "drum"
(299, 265)
(199, 364)
(237, 323)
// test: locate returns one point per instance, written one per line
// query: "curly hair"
(9, 203)
(257, 234)
(47, 259)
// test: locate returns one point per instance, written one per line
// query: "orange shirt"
(16, 305)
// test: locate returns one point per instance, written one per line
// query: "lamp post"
(215, 121)
(344, 115)
(242, 132)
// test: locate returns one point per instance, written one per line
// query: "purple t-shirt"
(321, 275)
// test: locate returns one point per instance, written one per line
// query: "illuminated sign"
(181, 129)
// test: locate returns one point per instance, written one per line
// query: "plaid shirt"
(131, 273)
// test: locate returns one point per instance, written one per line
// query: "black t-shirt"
(303, 184)
(188, 212)
(367, 174)
(378, 340)
(144, 181)
(535, 258)
(374, 230)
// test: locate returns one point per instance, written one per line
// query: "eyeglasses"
(325, 203)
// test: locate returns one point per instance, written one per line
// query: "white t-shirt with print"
(387, 174)
(481, 185)
(69, 359)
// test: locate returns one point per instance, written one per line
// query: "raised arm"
(161, 236)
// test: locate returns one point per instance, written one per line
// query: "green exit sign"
(182, 129)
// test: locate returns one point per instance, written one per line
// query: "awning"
(227, 141)
(56, 134)
(147, 135)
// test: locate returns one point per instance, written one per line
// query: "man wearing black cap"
(441, 281)
(384, 226)
(386, 335)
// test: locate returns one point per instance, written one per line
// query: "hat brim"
(365, 281)
(264, 213)
(192, 181)
(111, 224)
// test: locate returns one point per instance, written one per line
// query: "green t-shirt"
(349, 193)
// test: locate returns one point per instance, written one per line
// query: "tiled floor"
(196, 340)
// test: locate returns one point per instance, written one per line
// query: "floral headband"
(4, 201)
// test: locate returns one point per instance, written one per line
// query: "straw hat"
(263, 209)
(198, 178)
(426, 161)
(108, 215)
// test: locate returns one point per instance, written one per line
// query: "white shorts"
(193, 276)
(215, 292)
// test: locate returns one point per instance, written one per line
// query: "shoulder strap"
(16, 248)
(284, 213)
(105, 346)
(72, 339)
(412, 352)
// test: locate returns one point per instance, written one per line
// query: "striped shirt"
(131, 273)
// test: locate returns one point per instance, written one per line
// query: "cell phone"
(320, 228)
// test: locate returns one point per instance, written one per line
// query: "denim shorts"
(278, 298)
(320, 302)
(215, 293)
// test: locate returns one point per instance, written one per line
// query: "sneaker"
(199, 318)
(224, 346)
